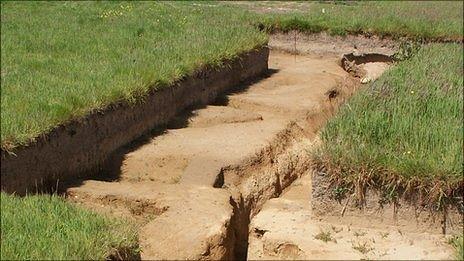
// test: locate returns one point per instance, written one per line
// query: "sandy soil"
(286, 229)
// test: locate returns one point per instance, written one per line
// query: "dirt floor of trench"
(201, 189)
(286, 228)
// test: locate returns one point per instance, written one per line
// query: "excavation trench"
(195, 187)
(287, 158)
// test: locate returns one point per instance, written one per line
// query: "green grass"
(61, 60)
(458, 243)
(414, 19)
(404, 132)
(47, 227)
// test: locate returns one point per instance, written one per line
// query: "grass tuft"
(325, 236)
(363, 248)
(458, 243)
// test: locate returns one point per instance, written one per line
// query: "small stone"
(365, 80)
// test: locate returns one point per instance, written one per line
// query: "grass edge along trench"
(403, 133)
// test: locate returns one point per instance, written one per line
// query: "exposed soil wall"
(81, 147)
(374, 211)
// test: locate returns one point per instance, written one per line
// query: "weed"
(458, 243)
(359, 234)
(406, 50)
(388, 195)
(325, 236)
(339, 192)
(363, 248)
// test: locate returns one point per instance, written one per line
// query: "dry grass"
(325, 236)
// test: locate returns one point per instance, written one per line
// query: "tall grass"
(406, 129)
(47, 227)
(431, 20)
(61, 60)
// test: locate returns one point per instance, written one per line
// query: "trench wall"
(80, 148)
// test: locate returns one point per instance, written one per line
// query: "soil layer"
(376, 212)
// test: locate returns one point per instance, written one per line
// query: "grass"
(47, 227)
(363, 248)
(413, 19)
(62, 60)
(404, 132)
(458, 243)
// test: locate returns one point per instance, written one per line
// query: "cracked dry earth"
(195, 188)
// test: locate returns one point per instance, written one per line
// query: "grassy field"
(404, 132)
(61, 60)
(47, 227)
(414, 19)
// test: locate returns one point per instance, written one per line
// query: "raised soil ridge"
(82, 147)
